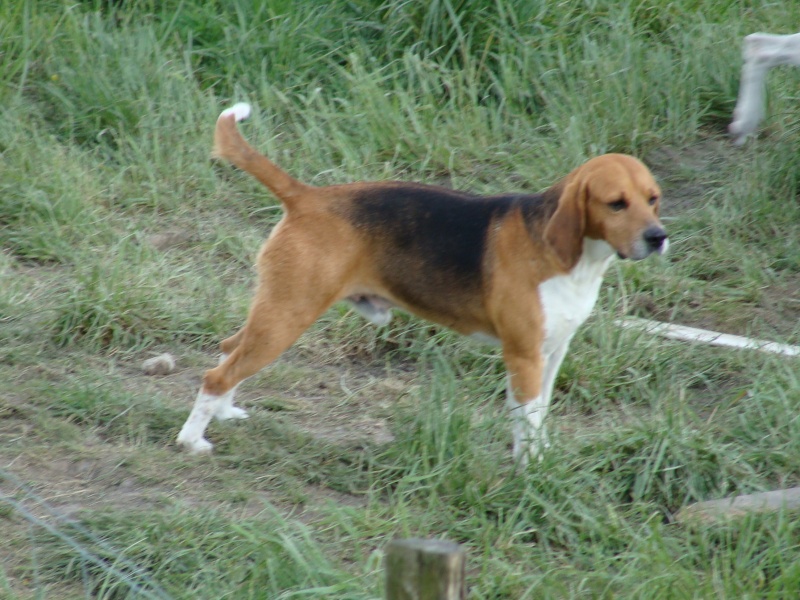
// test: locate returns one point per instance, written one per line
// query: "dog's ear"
(565, 229)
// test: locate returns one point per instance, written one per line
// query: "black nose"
(654, 237)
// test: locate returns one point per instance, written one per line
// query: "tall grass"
(107, 110)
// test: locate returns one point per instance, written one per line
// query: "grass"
(120, 240)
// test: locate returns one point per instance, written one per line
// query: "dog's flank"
(524, 269)
(437, 239)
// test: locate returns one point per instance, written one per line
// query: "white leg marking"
(527, 426)
(191, 434)
(552, 364)
(226, 410)
(750, 103)
(207, 407)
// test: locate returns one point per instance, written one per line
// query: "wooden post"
(424, 570)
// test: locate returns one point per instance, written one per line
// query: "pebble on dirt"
(163, 364)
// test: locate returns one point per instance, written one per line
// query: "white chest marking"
(567, 300)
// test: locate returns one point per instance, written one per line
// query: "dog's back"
(428, 243)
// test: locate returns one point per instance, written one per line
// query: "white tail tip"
(240, 110)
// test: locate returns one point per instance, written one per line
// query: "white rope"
(704, 336)
(133, 576)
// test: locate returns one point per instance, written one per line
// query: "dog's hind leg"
(265, 337)
(228, 345)
(286, 303)
(226, 410)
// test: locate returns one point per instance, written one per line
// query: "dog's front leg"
(552, 364)
(527, 404)
(527, 427)
(749, 108)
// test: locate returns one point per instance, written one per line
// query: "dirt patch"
(342, 403)
(688, 174)
(348, 405)
(69, 485)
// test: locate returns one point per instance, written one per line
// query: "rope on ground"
(137, 579)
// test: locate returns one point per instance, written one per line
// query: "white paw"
(530, 448)
(196, 447)
(231, 412)
(538, 452)
(741, 129)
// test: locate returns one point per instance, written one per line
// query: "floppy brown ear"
(564, 232)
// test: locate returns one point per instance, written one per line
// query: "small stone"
(168, 239)
(163, 364)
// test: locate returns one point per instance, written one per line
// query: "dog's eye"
(652, 201)
(618, 205)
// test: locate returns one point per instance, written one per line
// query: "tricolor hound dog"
(523, 270)
(761, 52)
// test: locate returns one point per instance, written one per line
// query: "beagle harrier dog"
(522, 270)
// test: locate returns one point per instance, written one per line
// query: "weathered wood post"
(424, 570)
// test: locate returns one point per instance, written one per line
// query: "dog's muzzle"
(655, 238)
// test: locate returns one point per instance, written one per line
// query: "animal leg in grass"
(761, 52)
(261, 344)
(230, 344)
(527, 416)
(552, 364)
(278, 315)
(204, 409)
(225, 410)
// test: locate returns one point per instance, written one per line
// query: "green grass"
(121, 240)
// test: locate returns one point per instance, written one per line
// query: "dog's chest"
(568, 300)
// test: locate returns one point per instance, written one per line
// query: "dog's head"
(614, 198)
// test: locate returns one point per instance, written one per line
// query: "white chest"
(567, 300)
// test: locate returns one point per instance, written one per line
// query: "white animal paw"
(231, 412)
(196, 447)
(741, 128)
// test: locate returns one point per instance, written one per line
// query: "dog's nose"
(654, 237)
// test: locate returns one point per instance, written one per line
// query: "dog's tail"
(231, 146)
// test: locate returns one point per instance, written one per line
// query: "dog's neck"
(597, 250)
(595, 259)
